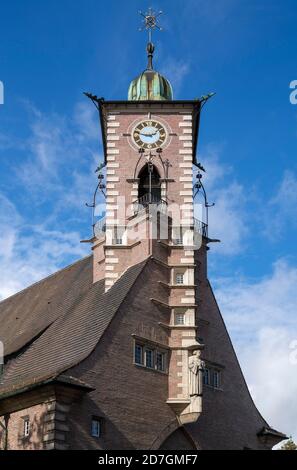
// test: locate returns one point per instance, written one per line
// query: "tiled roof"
(29, 312)
(53, 337)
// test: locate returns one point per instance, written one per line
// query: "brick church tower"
(150, 144)
(126, 348)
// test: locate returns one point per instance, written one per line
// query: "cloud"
(175, 71)
(281, 210)
(62, 153)
(57, 146)
(227, 218)
(56, 177)
(43, 233)
(261, 318)
(8, 220)
(30, 252)
(86, 121)
(273, 377)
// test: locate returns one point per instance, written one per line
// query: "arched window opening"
(149, 189)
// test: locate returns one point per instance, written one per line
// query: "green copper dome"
(150, 84)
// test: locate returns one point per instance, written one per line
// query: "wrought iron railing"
(145, 201)
(201, 227)
(99, 228)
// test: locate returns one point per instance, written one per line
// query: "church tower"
(126, 348)
(150, 143)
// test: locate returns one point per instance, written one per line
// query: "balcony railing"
(99, 228)
(147, 200)
(201, 227)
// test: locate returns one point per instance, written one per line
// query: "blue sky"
(245, 51)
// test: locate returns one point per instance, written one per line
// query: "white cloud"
(175, 71)
(49, 180)
(86, 122)
(281, 210)
(30, 252)
(273, 378)
(57, 146)
(227, 218)
(261, 317)
(286, 196)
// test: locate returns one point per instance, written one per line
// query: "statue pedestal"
(192, 412)
(178, 405)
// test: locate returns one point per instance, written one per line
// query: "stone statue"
(196, 367)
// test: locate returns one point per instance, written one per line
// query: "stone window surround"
(188, 314)
(187, 272)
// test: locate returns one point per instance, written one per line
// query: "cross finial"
(150, 22)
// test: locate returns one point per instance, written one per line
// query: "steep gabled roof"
(26, 314)
(81, 314)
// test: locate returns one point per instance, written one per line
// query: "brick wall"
(132, 400)
(16, 438)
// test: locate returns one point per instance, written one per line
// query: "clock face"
(149, 134)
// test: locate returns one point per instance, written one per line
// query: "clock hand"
(146, 134)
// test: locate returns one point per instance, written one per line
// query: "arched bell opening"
(149, 187)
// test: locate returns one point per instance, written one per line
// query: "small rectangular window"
(138, 354)
(26, 427)
(96, 427)
(177, 235)
(216, 379)
(149, 358)
(179, 278)
(160, 361)
(206, 380)
(179, 319)
(118, 235)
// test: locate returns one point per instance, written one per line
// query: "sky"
(245, 52)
